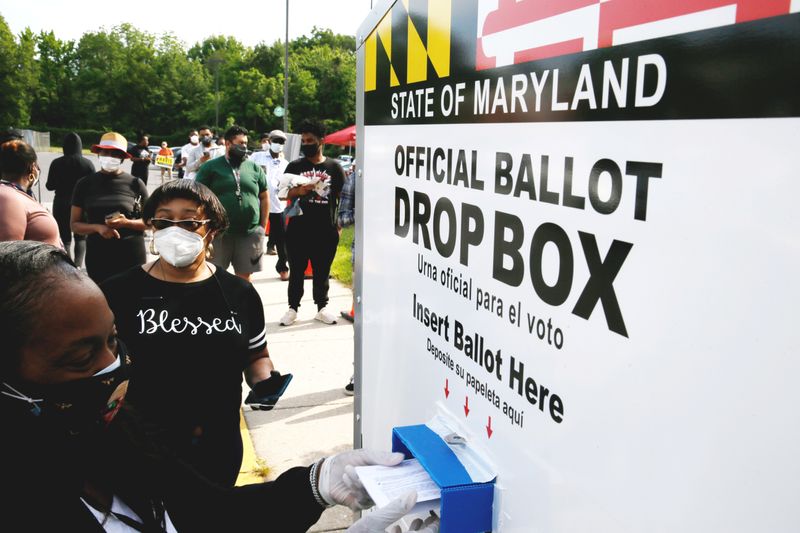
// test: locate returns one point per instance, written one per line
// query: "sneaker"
(289, 317)
(349, 390)
(325, 316)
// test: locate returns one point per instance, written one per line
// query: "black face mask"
(75, 407)
(309, 150)
(236, 155)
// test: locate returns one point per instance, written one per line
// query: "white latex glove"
(339, 483)
(378, 520)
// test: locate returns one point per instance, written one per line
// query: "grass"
(261, 469)
(341, 268)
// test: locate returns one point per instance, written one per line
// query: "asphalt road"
(45, 158)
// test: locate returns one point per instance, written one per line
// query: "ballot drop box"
(577, 236)
(466, 502)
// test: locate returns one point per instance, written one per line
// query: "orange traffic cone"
(351, 316)
(309, 273)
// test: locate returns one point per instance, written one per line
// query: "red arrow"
(489, 428)
(446, 390)
(466, 406)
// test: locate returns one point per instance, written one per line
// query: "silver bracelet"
(314, 479)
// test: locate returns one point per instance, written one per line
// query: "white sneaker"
(289, 317)
(325, 316)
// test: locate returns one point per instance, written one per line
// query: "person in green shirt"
(241, 186)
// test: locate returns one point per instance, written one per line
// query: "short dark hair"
(264, 135)
(16, 159)
(209, 128)
(314, 127)
(11, 134)
(28, 272)
(234, 131)
(192, 191)
(192, 131)
(142, 136)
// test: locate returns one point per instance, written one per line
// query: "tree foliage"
(129, 80)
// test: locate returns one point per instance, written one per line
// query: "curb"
(247, 474)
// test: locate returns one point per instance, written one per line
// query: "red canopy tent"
(345, 137)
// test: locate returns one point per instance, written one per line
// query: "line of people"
(191, 330)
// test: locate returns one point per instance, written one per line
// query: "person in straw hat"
(106, 206)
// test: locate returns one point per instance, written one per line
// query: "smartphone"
(277, 386)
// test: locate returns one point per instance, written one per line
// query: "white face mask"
(177, 246)
(109, 164)
(276, 148)
(194, 139)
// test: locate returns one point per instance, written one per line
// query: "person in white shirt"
(194, 141)
(272, 161)
(206, 150)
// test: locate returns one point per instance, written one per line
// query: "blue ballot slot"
(466, 506)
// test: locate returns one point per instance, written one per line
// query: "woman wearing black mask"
(74, 458)
(106, 206)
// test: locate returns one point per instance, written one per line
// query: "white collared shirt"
(274, 168)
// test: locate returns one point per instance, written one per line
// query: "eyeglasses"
(188, 224)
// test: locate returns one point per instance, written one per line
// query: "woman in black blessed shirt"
(110, 201)
(193, 330)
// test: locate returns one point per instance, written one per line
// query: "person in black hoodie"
(74, 457)
(64, 173)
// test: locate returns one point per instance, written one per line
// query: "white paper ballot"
(385, 483)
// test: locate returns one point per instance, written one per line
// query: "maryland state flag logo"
(410, 44)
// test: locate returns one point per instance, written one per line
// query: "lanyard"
(238, 178)
(15, 185)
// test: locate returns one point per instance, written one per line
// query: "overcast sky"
(249, 22)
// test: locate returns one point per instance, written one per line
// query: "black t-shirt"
(64, 174)
(189, 343)
(140, 168)
(101, 194)
(319, 208)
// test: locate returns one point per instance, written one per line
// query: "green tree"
(324, 37)
(251, 98)
(18, 71)
(55, 103)
(333, 72)
(130, 80)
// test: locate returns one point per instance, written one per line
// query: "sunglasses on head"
(188, 224)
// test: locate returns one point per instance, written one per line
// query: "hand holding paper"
(339, 483)
(289, 181)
